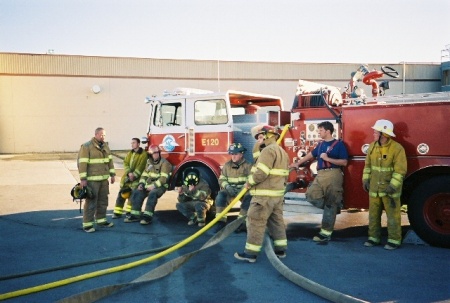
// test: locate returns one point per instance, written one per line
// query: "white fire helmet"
(384, 126)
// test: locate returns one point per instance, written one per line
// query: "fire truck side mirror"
(144, 140)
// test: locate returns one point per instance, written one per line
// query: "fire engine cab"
(195, 128)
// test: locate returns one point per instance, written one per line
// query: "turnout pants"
(192, 209)
(326, 192)
(95, 208)
(223, 199)
(265, 211)
(393, 214)
(138, 197)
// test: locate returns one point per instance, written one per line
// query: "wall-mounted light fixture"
(96, 89)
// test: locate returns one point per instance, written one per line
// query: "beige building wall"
(47, 103)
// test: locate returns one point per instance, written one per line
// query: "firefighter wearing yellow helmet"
(258, 134)
(384, 170)
(133, 166)
(266, 184)
(152, 185)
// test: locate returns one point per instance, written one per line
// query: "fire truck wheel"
(429, 211)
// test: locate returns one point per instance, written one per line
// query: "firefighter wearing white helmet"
(152, 184)
(266, 184)
(384, 170)
(232, 179)
(133, 165)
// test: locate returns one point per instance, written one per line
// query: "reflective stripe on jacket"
(135, 163)
(234, 175)
(385, 165)
(95, 161)
(269, 175)
(157, 174)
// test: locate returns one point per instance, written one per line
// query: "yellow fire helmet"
(125, 192)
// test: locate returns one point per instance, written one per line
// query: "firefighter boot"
(193, 220)
(245, 257)
(146, 220)
(201, 222)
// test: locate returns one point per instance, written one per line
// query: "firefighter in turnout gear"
(95, 166)
(326, 191)
(257, 133)
(152, 184)
(133, 165)
(384, 170)
(194, 197)
(232, 179)
(267, 184)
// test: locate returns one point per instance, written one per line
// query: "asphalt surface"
(41, 230)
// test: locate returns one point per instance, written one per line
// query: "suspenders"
(327, 164)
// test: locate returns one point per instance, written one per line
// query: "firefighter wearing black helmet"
(194, 197)
(152, 184)
(232, 179)
(266, 184)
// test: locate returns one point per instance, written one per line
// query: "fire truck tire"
(429, 211)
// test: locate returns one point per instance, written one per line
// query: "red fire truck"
(195, 128)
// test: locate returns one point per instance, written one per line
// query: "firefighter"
(95, 166)
(266, 184)
(152, 184)
(326, 191)
(257, 133)
(383, 174)
(232, 179)
(134, 165)
(194, 197)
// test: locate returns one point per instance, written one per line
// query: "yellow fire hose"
(283, 133)
(30, 290)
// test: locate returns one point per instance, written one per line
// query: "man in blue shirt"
(326, 191)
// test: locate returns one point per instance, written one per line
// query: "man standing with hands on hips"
(326, 191)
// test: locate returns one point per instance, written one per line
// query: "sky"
(317, 31)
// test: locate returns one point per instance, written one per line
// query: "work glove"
(390, 190)
(230, 190)
(366, 185)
